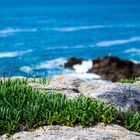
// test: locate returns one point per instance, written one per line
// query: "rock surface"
(99, 132)
(109, 68)
(122, 96)
(65, 85)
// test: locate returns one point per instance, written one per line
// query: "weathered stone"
(65, 85)
(121, 96)
(99, 132)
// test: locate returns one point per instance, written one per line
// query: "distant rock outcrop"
(112, 68)
(72, 61)
(109, 68)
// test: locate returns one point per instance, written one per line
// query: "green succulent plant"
(22, 105)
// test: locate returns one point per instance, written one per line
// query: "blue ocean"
(36, 40)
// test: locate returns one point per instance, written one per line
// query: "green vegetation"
(130, 80)
(42, 81)
(23, 108)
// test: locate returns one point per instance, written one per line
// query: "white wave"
(54, 48)
(80, 71)
(51, 63)
(84, 67)
(132, 50)
(11, 31)
(70, 29)
(135, 61)
(117, 42)
(26, 69)
(64, 47)
(14, 54)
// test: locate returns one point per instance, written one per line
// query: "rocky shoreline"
(109, 68)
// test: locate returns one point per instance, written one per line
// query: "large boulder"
(124, 97)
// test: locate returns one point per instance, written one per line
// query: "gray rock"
(65, 85)
(99, 132)
(122, 96)
(137, 84)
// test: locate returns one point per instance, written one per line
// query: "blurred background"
(38, 36)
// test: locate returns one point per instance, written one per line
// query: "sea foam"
(26, 69)
(11, 31)
(64, 47)
(14, 54)
(135, 61)
(84, 67)
(71, 29)
(117, 42)
(51, 63)
(132, 50)
(78, 28)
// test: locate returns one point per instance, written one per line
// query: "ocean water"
(37, 40)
